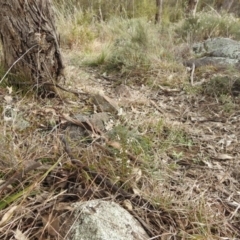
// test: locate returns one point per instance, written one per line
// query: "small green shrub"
(208, 25)
(223, 89)
(75, 27)
(227, 103)
(218, 86)
(133, 46)
(131, 140)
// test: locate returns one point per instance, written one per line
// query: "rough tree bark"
(159, 11)
(30, 42)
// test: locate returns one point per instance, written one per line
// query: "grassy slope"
(174, 151)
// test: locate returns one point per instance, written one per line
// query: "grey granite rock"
(103, 220)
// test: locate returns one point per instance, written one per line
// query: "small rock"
(123, 91)
(218, 47)
(99, 120)
(105, 104)
(103, 220)
(216, 51)
(21, 124)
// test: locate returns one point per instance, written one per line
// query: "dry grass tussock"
(171, 158)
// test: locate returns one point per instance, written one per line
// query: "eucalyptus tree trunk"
(30, 42)
(158, 14)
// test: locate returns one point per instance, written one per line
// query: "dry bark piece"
(222, 156)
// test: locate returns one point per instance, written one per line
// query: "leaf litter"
(171, 159)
